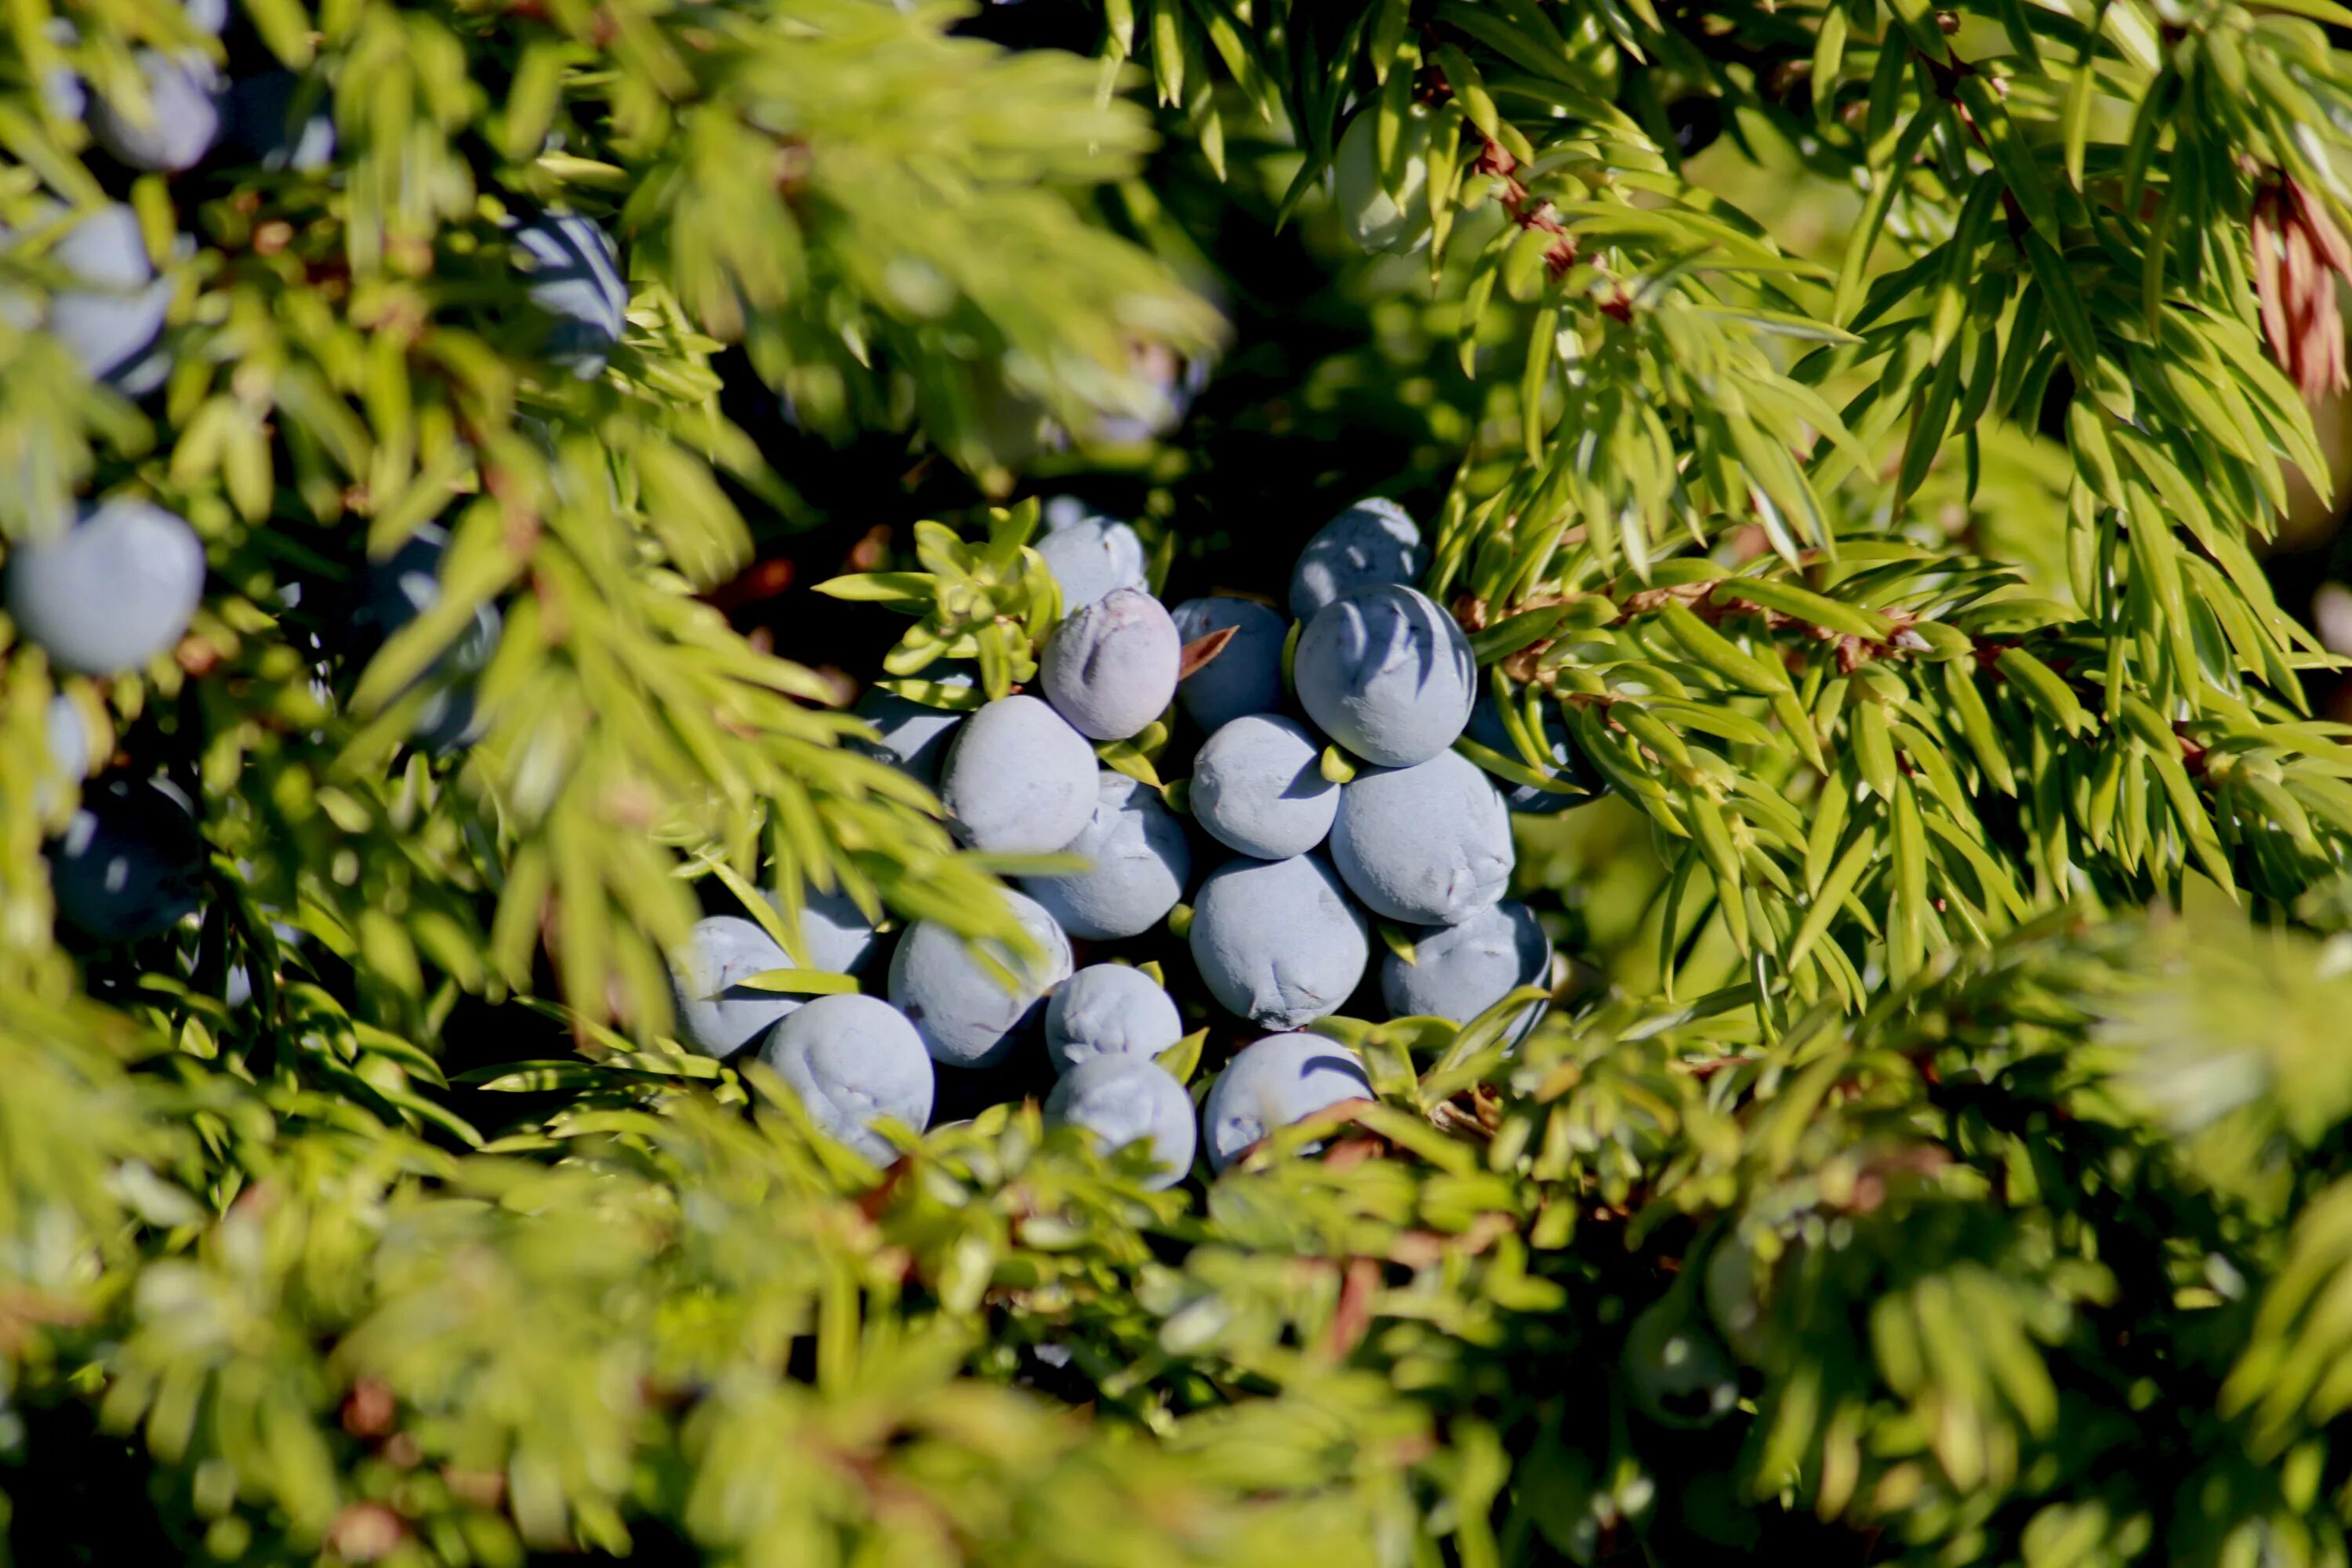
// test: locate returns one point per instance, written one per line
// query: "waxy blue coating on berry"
(111, 591)
(1387, 675)
(110, 316)
(1141, 862)
(574, 271)
(1258, 786)
(182, 119)
(1109, 1010)
(717, 1014)
(1091, 558)
(913, 736)
(66, 735)
(964, 1013)
(1373, 543)
(1460, 971)
(1430, 843)
(1273, 1083)
(1124, 1100)
(1246, 675)
(854, 1060)
(1018, 779)
(404, 586)
(1110, 667)
(1278, 941)
(834, 929)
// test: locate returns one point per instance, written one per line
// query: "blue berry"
(261, 125)
(1018, 778)
(1387, 675)
(1460, 971)
(1272, 1083)
(109, 314)
(1091, 558)
(1372, 543)
(834, 929)
(395, 592)
(131, 864)
(181, 120)
(1277, 942)
(1246, 675)
(913, 737)
(1059, 513)
(965, 1014)
(1429, 843)
(854, 1060)
(1125, 1099)
(1258, 786)
(67, 739)
(717, 1014)
(1141, 862)
(1110, 1009)
(575, 276)
(1110, 667)
(110, 593)
(63, 94)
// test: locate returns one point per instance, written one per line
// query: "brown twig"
(1494, 159)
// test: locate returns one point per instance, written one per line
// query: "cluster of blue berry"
(1325, 792)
